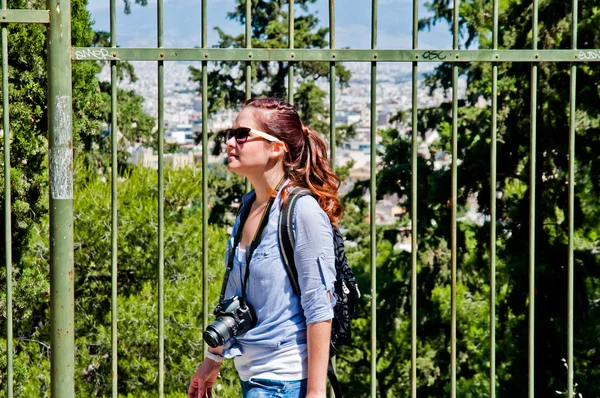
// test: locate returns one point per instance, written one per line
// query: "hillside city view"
(183, 118)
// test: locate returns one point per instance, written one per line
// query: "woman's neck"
(265, 183)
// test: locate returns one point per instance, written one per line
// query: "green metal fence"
(60, 56)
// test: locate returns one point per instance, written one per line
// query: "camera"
(234, 317)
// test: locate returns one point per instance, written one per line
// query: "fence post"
(60, 145)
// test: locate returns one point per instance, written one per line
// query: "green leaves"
(137, 247)
(226, 84)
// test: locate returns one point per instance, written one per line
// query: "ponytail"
(306, 163)
(312, 170)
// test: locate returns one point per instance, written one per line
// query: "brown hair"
(306, 163)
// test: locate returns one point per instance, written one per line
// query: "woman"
(286, 353)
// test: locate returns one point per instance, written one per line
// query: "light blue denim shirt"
(276, 347)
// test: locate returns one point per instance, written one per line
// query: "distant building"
(145, 157)
(353, 118)
(180, 134)
(197, 104)
(383, 119)
(359, 174)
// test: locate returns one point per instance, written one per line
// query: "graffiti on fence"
(586, 55)
(100, 54)
(433, 55)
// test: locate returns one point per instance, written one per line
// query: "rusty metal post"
(60, 139)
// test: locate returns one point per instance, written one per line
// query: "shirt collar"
(249, 196)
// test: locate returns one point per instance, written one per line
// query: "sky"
(182, 27)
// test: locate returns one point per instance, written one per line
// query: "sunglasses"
(241, 135)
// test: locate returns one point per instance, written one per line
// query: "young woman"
(286, 353)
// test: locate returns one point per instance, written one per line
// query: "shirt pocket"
(267, 277)
(266, 250)
(265, 263)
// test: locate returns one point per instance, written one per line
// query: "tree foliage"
(137, 248)
(512, 195)
(27, 80)
(29, 114)
(270, 30)
(27, 77)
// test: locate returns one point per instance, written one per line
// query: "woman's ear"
(278, 149)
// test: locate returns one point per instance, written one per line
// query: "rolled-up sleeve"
(314, 258)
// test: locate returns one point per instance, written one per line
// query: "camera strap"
(244, 213)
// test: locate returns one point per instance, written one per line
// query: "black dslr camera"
(234, 317)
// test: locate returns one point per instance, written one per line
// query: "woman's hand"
(203, 380)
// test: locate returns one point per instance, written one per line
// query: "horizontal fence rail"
(342, 55)
(25, 16)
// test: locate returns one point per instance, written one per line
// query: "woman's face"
(251, 157)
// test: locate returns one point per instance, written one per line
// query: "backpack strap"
(286, 246)
(333, 380)
(286, 235)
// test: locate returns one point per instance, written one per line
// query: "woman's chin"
(234, 166)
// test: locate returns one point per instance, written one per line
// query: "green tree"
(27, 76)
(137, 287)
(512, 195)
(551, 226)
(27, 79)
(270, 30)
(128, 4)
(138, 278)
(28, 114)
(134, 126)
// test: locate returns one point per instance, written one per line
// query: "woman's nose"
(230, 142)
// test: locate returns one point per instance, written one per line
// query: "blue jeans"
(264, 388)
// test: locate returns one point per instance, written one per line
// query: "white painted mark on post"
(61, 151)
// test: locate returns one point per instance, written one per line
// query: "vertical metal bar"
(62, 313)
(454, 200)
(332, 111)
(291, 65)
(414, 185)
(332, 77)
(161, 209)
(532, 188)
(373, 212)
(7, 211)
(248, 63)
(493, 217)
(571, 270)
(114, 201)
(204, 177)
(248, 45)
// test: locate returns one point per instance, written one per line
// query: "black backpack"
(346, 290)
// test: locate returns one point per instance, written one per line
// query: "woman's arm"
(318, 336)
(315, 263)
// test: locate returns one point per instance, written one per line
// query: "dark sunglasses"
(241, 135)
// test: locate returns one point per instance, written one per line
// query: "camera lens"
(219, 332)
(211, 338)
